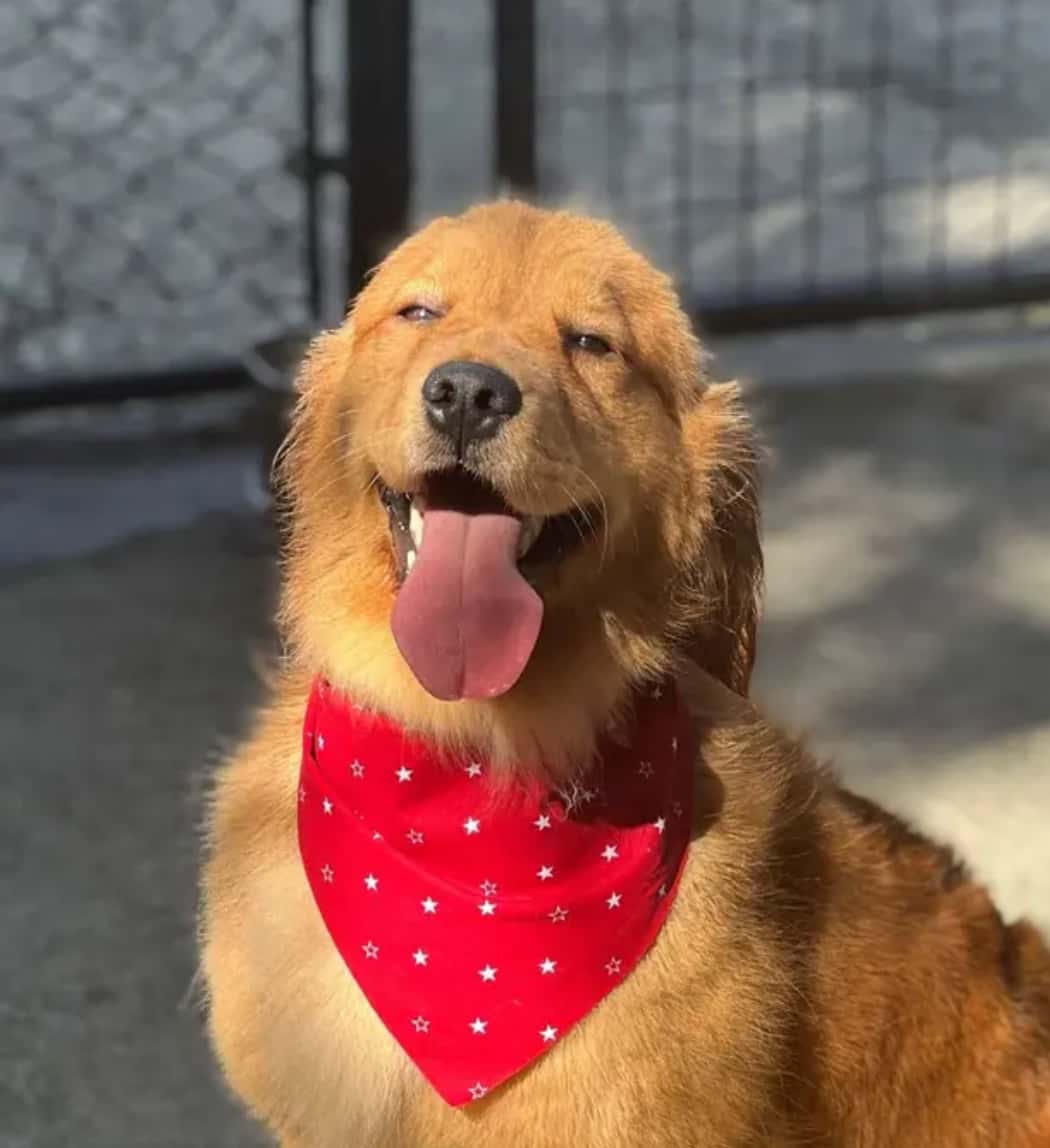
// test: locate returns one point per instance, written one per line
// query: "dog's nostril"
(443, 394)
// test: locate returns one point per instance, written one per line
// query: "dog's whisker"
(603, 506)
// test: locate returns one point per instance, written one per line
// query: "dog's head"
(511, 483)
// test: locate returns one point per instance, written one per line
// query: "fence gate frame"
(375, 163)
(515, 62)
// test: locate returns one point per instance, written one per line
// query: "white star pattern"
(478, 1026)
(549, 1033)
(326, 805)
(320, 741)
(487, 908)
(473, 770)
(610, 853)
(429, 905)
(659, 825)
(420, 956)
(357, 769)
(613, 966)
(547, 966)
(377, 836)
(471, 826)
(488, 973)
(614, 900)
(543, 821)
(403, 774)
(421, 1024)
(414, 837)
(558, 914)
(302, 792)
(477, 1091)
(545, 873)
(489, 888)
(328, 873)
(662, 891)
(646, 769)
(372, 883)
(371, 951)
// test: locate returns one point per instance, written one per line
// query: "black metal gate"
(150, 226)
(805, 161)
(176, 185)
(183, 180)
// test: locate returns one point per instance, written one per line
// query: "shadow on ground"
(908, 619)
(123, 676)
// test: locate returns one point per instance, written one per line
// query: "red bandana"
(483, 922)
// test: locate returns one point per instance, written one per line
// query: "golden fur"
(827, 977)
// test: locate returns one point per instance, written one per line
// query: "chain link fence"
(796, 152)
(166, 194)
(148, 215)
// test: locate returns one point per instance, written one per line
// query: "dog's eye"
(586, 341)
(418, 313)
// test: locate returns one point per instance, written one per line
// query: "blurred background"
(854, 197)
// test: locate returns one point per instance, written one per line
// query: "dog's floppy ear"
(728, 568)
(318, 382)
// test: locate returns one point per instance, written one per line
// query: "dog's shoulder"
(935, 895)
(923, 979)
(894, 842)
(918, 1001)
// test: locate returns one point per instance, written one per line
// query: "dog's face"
(509, 458)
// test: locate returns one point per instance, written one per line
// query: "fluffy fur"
(826, 977)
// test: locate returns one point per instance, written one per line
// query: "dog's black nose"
(469, 402)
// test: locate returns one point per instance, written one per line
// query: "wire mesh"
(148, 213)
(796, 149)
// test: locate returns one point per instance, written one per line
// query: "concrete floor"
(907, 630)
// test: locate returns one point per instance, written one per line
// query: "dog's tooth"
(415, 524)
(530, 529)
(410, 559)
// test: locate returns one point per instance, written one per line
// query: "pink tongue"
(465, 620)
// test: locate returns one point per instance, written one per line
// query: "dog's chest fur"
(301, 1043)
(818, 982)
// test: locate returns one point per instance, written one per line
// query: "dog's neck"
(576, 688)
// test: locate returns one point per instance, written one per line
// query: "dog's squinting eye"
(418, 313)
(586, 341)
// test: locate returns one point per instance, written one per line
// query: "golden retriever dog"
(825, 976)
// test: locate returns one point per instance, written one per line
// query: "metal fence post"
(379, 142)
(311, 171)
(515, 59)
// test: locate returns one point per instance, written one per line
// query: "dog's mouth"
(543, 539)
(467, 615)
